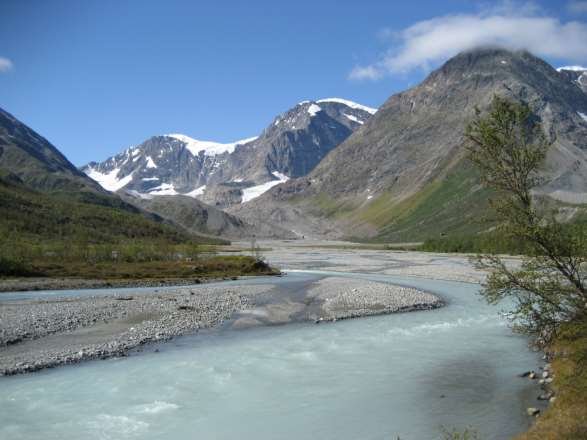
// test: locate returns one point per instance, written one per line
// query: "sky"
(95, 77)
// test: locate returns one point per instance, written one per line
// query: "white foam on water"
(156, 407)
(107, 426)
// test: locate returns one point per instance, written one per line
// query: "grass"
(454, 204)
(566, 418)
(325, 206)
(450, 205)
(32, 217)
(202, 267)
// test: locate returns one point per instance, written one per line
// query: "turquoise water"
(372, 378)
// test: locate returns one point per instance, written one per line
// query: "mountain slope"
(226, 174)
(402, 176)
(197, 217)
(45, 200)
(35, 161)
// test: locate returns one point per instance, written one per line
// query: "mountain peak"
(348, 103)
(209, 148)
(489, 58)
(228, 173)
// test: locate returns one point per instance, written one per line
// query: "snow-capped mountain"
(577, 74)
(225, 174)
(404, 177)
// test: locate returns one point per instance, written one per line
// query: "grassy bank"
(138, 260)
(566, 418)
(131, 262)
(484, 243)
(202, 267)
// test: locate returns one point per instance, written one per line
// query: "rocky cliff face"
(402, 175)
(227, 174)
(575, 73)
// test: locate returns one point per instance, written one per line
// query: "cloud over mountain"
(429, 42)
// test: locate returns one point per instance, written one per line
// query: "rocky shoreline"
(43, 333)
(544, 378)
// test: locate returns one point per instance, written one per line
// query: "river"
(381, 377)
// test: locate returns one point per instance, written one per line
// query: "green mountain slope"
(46, 201)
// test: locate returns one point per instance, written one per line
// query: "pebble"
(533, 411)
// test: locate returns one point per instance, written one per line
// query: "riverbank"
(43, 333)
(34, 284)
(83, 275)
(566, 416)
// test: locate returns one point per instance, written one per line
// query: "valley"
(192, 282)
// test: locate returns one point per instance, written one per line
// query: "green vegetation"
(566, 418)
(89, 235)
(451, 205)
(509, 147)
(205, 266)
(548, 289)
(492, 242)
(324, 205)
(30, 217)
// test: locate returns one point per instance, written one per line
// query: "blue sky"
(97, 76)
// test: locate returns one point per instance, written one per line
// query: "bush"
(14, 268)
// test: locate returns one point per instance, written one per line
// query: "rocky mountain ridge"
(577, 74)
(226, 174)
(403, 176)
(31, 158)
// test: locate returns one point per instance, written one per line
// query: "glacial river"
(372, 378)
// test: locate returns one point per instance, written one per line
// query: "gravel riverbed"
(43, 333)
(347, 298)
(36, 334)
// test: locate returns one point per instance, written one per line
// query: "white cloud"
(366, 72)
(577, 7)
(5, 65)
(432, 41)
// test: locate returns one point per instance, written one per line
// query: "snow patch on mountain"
(354, 119)
(196, 192)
(350, 104)
(209, 148)
(314, 109)
(583, 115)
(255, 191)
(165, 189)
(572, 68)
(109, 181)
(150, 163)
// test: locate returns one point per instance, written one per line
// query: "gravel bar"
(343, 298)
(37, 334)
